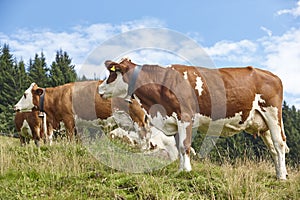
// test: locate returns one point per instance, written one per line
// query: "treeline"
(16, 76)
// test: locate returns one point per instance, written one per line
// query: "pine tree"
(56, 75)
(6, 73)
(22, 77)
(84, 78)
(291, 120)
(7, 91)
(38, 70)
(62, 71)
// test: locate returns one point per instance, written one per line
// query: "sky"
(261, 33)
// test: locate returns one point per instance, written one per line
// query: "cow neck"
(42, 100)
(132, 82)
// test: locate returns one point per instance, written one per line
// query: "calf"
(30, 126)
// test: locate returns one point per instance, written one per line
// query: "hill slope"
(68, 171)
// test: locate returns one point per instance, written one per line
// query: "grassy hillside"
(68, 171)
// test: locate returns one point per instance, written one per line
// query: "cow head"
(30, 99)
(116, 85)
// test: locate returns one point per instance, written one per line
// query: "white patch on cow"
(167, 124)
(254, 124)
(199, 85)
(117, 88)
(224, 127)
(26, 130)
(156, 142)
(163, 142)
(185, 75)
(25, 104)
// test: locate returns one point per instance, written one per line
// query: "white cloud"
(294, 11)
(283, 58)
(278, 54)
(156, 46)
(78, 42)
(233, 52)
(268, 31)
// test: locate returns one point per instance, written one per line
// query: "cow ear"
(115, 67)
(108, 63)
(112, 66)
(39, 91)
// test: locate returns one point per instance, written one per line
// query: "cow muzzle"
(16, 109)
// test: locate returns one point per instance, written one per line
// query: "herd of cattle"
(162, 102)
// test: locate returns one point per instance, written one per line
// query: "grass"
(69, 171)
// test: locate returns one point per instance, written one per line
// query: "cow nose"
(16, 108)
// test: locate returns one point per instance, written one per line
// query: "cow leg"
(266, 137)
(184, 145)
(280, 149)
(49, 135)
(27, 140)
(36, 136)
(279, 144)
(70, 128)
(22, 140)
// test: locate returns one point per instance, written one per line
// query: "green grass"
(69, 171)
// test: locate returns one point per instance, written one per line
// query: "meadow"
(68, 171)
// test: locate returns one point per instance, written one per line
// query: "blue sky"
(262, 33)
(213, 20)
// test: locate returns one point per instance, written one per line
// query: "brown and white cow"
(30, 126)
(66, 102)
(223, 102)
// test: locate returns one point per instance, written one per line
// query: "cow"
(222, 101)
(78, 99)
(30, 126)
(81, 101)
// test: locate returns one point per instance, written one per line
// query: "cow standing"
(223, 102)
(30, 126)
(80, 99)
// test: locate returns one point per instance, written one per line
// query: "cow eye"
(25, 95)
